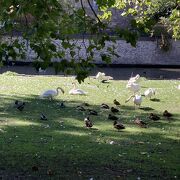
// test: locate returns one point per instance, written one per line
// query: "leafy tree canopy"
(47, 28)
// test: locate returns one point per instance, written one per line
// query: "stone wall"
(146, 53)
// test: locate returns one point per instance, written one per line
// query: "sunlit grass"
(62, 143)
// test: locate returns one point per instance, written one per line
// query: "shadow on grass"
(146, 108)
(63, 146)
(155, 100)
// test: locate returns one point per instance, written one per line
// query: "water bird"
(140, 123)
(20, 108)
(117, 103)
(104, 106)
(41, 70)
(92, 112)
(134, 87)
(35, 168)
(80, 108)
(134, 79)
(167, 114)
(88, 122)
(50, 94)
(150, 92)
(61, 105)
(43, 117)
(50, 172)
(114, 110)
(118, 125)
(137, 99)
(85, 104)
(112, 117)
(102, 77)
(154, 117)
(75, 91)
(19, 105)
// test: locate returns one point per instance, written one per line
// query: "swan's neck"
(59, 89)
(74, 86)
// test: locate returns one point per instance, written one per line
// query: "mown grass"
(62, 148)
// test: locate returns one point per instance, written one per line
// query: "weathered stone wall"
(146, 53)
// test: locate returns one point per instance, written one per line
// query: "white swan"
(134, 79)
(150, 92)
(40, 70)
(102, 77)
(76, 91)
(51, 93)
(137, 99)
(134, 87)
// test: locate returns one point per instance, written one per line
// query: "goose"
(140, 123)
(117, 103)
(134, 87)
(118, 125)
(137, 99)
(88, 122)
(76, 91)
(154, 117)
(134, 79)
(51, 93)
(102, 77)
(167, 114)
(149, 92)
(179, 86)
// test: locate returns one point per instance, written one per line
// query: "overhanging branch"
(93, 11)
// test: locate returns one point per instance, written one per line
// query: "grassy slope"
(74, 152)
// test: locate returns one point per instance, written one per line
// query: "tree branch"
(93, 11)
(83, 7)
(83, 41)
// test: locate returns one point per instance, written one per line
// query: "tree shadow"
(63, 145)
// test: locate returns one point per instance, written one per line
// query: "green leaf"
(106, 58)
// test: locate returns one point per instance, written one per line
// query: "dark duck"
(88, 122)
(118, 125)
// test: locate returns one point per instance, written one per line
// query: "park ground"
(62, 148)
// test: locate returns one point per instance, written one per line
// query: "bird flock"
(133, 85)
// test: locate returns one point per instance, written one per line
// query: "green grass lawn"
(62, 148)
